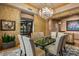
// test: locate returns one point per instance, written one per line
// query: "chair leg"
(60, 53)
(64, 49)
(46, 52)
(25, 54)
(21, 53)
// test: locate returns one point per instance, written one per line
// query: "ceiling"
(50, 5)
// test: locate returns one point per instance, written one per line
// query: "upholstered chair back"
(29, 46)
(58, 43)
(21, 45)
(53, 35)
(36, 35)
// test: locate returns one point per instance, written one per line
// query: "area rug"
(71, 51)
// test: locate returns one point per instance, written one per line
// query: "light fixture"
(46, 12)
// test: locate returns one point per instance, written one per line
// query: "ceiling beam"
(31, 4)
(65, 13)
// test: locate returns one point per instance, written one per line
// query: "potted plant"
(8, 41)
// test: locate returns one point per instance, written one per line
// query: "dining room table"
(44, 41)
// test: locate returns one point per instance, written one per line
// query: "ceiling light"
(46, 12)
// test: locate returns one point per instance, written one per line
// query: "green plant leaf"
(7, 38)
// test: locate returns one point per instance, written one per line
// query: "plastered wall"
(10, 13)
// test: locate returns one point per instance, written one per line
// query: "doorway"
(26, 26)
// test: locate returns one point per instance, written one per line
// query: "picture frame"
(7, 25)
(72, 25)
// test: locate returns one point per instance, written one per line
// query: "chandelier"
(46, 12)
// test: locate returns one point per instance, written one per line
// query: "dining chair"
(64, 43)
(54, 35)
(22, 48)
(30, 49)
(55, 48)
(36, 35)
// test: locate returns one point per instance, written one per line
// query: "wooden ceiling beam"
(31, 4)
(65, 13)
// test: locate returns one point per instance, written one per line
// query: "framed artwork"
(7, 25)
(72, 25)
